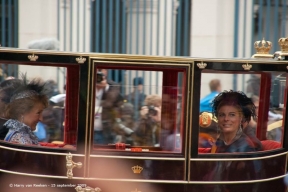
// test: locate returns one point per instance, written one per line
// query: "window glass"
(221, 129)
(33, 109)
(139, 110)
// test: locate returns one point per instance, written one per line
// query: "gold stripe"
(238, 159)
(133, 157)
(145, 180)
(188, 117)
(40, 152)
(35, 175)
(187, 182)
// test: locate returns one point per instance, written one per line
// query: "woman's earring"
(22, 119)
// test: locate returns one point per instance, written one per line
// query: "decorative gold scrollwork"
(201, 65)
(87, 189)
(246, 66)
(32, 57)
(70, 165)
(80, 59)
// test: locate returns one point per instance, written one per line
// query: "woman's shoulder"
(21, 138)
(245, 144)
(242, 144)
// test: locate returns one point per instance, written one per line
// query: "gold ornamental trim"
(87, 189)
(240, 159)
(137, 169)
(80, 60)
(247, 66)
(70, 165)
(33, 57)
(202, 65)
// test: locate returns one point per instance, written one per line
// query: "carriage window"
(33, 109)
(225, 123)
(139, 110)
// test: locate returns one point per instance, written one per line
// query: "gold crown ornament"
(246, 66)
(202, 65)
(32, 57)
(283, 43)
(80, 59)
(262, 49)
(137, 169)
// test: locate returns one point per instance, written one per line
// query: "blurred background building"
(190, 28)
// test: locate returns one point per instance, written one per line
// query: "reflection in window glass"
(266, 91)
(142, 112)
(34, 106)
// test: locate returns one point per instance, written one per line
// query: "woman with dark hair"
(24, 112)
(233, 110)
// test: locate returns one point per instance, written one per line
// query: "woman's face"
(32, 117)
(229, 118)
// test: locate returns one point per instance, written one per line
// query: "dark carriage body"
(177, 162)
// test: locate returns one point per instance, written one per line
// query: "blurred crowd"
(135, 119)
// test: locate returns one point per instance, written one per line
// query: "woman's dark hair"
(234, 98)
(7, 88)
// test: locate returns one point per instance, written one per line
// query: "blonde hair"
(153, 100)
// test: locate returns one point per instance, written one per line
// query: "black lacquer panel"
(34, 163)
(237, 170)
(228, 66)
(122, 169)
(267, 186)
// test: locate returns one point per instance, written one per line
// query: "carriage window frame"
(202, 152)
(140, 66)
(70, 141)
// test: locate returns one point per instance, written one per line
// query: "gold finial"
(283, 42)
(80, 59)
(201, 65)
(32, 57)
(246, 66)
(137, 169)
(262, 47)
